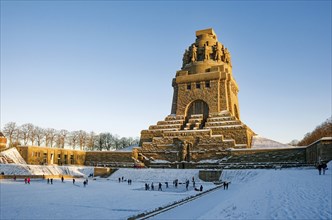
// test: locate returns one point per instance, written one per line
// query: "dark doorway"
(198, 107)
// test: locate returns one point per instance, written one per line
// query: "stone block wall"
(109, 158)
(45, 155)
(320, 150)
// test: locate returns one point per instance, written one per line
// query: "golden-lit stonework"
(3, 142)
(205, 117)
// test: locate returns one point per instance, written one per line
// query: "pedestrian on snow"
(73, 181)
(62, 179)
(319, 169)
(119, 179)
(146, 186)
(122, 179)
(48, 180)
(25, 180)
(14, 178)
(84, 183)
(51, 180)
(226, 185)
(201, 188)
(194, 183)
(152, 187)
(187, 184)
(28, 180)
(159, 187)
(193, 179)
(324, 166)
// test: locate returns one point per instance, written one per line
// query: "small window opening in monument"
(189, 86)
(198, 85)
(207, 84)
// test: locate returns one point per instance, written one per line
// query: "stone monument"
(3, 142)
(205, 116)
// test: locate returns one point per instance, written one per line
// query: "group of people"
(175, 184)
(226, 185)
(27, 180)
(49, 180)
(320, 167)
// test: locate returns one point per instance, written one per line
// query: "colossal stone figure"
(218, 52)
(194, 53)
(206, 52)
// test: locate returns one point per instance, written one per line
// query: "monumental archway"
(198, 107)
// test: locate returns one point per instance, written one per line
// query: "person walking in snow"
(319, 169)
(51, 180)
(62, 179)
(159, 187)
(152, 187)
(73, 181)
(25, 180)
(48, 180)
(84, 183)
(28, 180)
(324, 166)
(201, 188)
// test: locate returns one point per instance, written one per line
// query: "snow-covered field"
(24, 169)
(101, 199)
(252, 194)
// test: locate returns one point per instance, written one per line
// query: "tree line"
(29, 134)
(322, 130)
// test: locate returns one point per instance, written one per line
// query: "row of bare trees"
(322, 130)
(29, 134)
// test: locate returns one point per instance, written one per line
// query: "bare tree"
(32, 133)
(63, 137)
(117, 141)
(9, 131)
(73, 139)
(40, 134)
(17, 136)
(91, 139)
(25, 132)
(50, 134)
(82, 136)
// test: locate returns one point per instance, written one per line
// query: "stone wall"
(45, 155)
(291, 155)
(319, 151)
(109, 158)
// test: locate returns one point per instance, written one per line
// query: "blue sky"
(108, 65)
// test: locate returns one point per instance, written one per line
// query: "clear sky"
(108, 65)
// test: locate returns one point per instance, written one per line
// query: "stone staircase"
(222, 122)
(195, 122)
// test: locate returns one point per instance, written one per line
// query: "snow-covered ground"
(24, 169)
(101, 199)
(263, 194)
(11, 156)
(252, 194)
